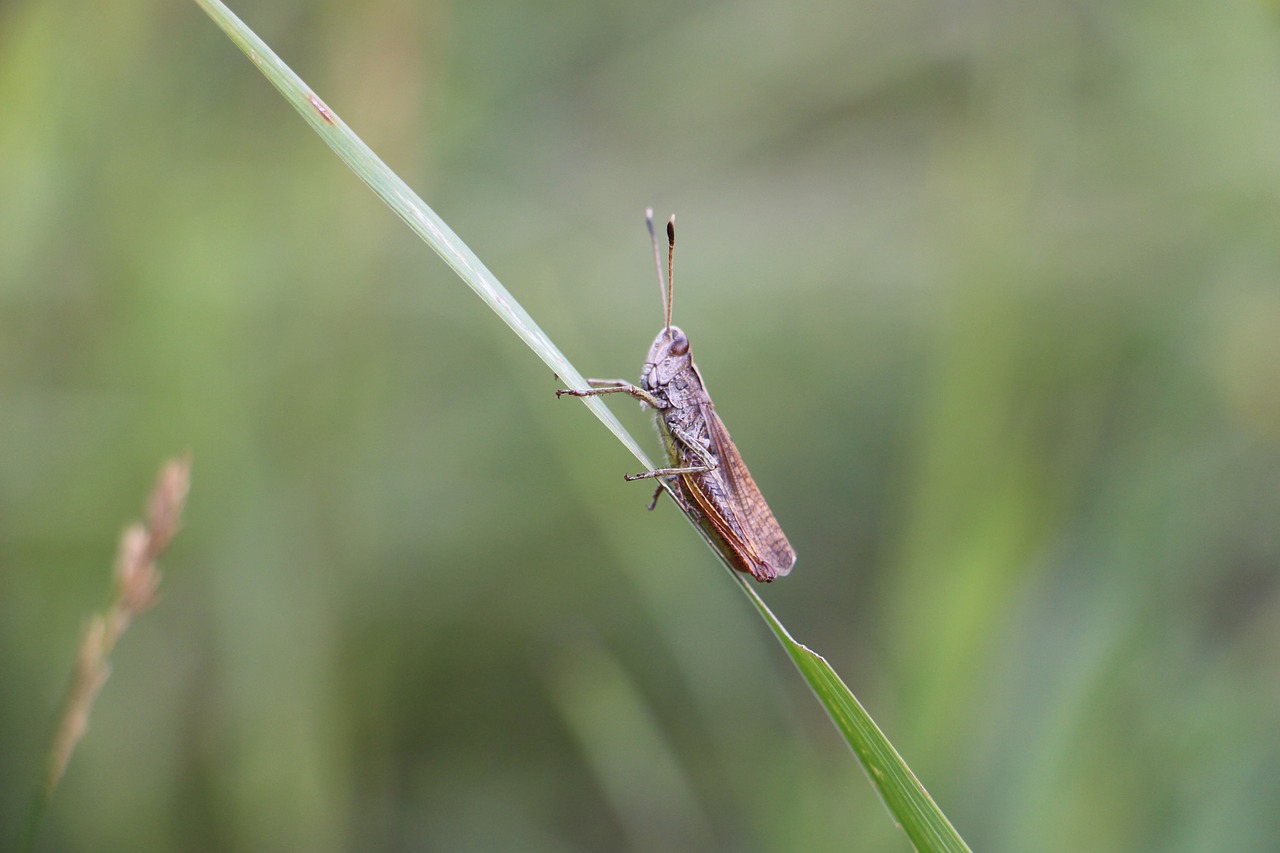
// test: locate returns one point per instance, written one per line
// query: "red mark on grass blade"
(322, 108)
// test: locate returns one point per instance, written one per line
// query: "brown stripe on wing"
(707, 492)
(759, 530)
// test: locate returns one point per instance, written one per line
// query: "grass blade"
(406, 204)
(902, 793)
(925, 825)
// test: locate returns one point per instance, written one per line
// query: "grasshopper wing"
(744, 518)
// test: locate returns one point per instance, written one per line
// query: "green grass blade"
(408, 206)
(926, 826)
(908, 801)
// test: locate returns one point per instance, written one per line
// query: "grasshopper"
(706, 475)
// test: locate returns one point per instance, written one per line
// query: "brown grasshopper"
(707, 476)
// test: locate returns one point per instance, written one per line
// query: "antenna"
(657, 261)
(671, 269)
(667, 287)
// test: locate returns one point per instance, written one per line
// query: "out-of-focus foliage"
(987, 293)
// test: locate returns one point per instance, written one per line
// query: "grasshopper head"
(667, 357)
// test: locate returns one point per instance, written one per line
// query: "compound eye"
(680, 345)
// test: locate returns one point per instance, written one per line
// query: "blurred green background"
(986, 292)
